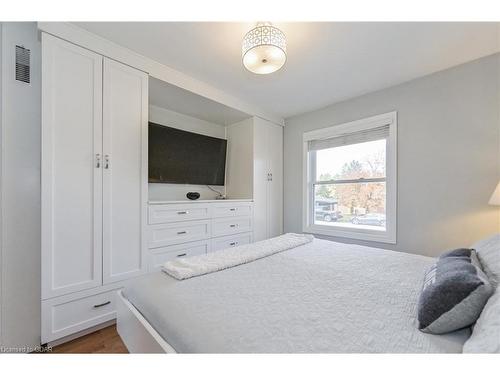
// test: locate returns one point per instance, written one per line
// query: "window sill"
(360, 234)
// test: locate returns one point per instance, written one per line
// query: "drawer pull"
(102, 304)
(182, 232)
(232, 209)
(182, 212)
(233, 244)
(233, 225)
(181, 255)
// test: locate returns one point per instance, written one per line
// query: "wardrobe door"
(71, 168)
(268, 179)
(275, 186)
(261, 179)
(125, 171)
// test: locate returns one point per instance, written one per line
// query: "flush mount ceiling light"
(264, 49)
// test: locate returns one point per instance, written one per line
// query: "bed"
(321, 297)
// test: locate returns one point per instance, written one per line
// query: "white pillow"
(488, 251)
(485, 337)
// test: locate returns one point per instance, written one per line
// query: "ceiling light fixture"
(264, 49)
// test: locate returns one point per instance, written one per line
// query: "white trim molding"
(105, 47)
(308, 225)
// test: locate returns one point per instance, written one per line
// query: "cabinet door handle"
(102, 304)
(181, 255)
(106, 161)
(233, 225)
(182, 212)
(98, 160)
(233, 244)
(232, 209)
(182, 232)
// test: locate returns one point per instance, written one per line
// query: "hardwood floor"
(105, 340)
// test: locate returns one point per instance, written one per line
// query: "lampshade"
(495, 197)
(264, 49)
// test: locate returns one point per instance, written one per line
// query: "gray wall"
(448, 155)
(20, 191)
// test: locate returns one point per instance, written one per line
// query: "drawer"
(229, 210)
(161, 255)
(231, 241)
(222, 227)
(62, 317)
(170, 234)
(167, 213)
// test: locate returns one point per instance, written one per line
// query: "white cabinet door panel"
(268, 179)
(275, 186)
(260, 180)
(125, 125)
(71, 173)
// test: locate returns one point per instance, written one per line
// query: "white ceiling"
(327, 62)
(165, 95)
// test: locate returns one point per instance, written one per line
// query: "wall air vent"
(22, 64)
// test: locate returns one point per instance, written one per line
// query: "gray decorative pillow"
(467, 253)
(454, 293)
(456, 253)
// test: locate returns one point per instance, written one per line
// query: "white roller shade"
(350, 138)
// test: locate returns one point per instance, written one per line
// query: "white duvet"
(319, 297)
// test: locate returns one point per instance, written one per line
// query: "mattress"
(322, 297)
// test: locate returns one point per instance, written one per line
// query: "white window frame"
(309, 164)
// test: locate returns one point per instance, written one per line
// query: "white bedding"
(320, 297)
(185, 268)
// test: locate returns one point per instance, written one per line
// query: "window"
(350, 179)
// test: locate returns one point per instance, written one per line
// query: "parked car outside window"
(369, 219)
(327, 215)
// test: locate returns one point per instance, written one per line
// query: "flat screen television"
(181, 157)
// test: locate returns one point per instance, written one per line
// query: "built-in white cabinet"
(255, 169)
(72, 100)
(98, 231)
(94, 183)
(67, 314)
(184, 229)
(125, 171)
(268, 177)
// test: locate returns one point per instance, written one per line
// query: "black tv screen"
(181, 157)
